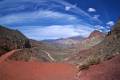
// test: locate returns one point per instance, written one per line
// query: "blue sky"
(53, 19)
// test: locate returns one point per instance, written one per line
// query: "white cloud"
(96, 16)
(78, 10)
(110, 23)
(67, 8)
(91, 10)
(56, 31)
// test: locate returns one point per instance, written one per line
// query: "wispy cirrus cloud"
(79, 11)
(38, 16)
(96, 16)
(24, 5)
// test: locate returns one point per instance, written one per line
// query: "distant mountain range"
(59, 48)
(79, 41)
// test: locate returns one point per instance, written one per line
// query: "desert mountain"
(96, 33)
(50, 50)
(105, 50)
(93, 39)
(111, 43)
(26, 49)
(12, 39)
(107, 53)
(78, 41)
(59, 49)
(110, 46)
(66, 42)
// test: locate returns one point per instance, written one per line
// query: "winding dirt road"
(48, 54)
(5, 56)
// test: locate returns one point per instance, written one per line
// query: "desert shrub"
(91, 60)
(5, 48)
(83, 66)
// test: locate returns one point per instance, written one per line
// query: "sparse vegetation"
(91, 60)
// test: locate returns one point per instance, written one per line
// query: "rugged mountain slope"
(12, 39)
(110, 46)
(105, 50)
(96, 33)
(84, 47)
(94, 38)
(108, 70)
(107, 54)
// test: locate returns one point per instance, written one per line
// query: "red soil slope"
(108, 70)
(36, 71)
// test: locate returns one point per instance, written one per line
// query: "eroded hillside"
(12, 39)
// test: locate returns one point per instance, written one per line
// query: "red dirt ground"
(19, 70)
(36, 71)
(108, 70)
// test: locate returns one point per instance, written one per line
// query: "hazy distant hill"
(65, 42)
(79, 41)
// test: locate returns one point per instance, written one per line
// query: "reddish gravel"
(36, 71)
(108, 70)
